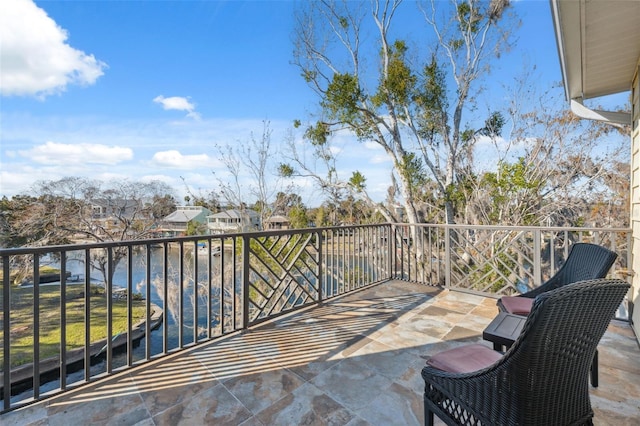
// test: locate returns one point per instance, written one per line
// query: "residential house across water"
(233, 220)
(277, 222)
(177, 223)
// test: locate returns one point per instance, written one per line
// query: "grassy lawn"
(43, 271)
(50, 326)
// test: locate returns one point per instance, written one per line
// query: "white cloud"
(178, 103)
(35, 59)
(182, 156)
(160, 177)
(196, 183)
(486, 142)
(14, 182)
(379, 159)
(489, 152)
(52, 153)
(374, 146)
(176, 160)
(174, 102)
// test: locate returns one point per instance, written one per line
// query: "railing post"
(221, 310)
(447, 255)
(552, 255)
(245, 280)
(63, 320)
(147, 323)
(319, 236)
(195, 287)
(6, 332)
(36, 327)
(109, 296)
(391, 251)
(234, 282)
(165, 298)
(129, 306)
(87, 315)
(537, 263)
(629, 265)
(181, 295)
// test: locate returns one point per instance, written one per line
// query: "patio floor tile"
(352, 361)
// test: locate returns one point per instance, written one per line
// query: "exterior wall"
(277, 225)
(223, 225)
(634, 295)
(202, 216)
(233, 221)
(177, 223)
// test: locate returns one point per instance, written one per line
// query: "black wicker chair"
(585, 262)
(543, 379)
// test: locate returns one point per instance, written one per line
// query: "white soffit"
(598, 43)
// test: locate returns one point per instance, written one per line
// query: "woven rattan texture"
(544, 377)
(585, 262)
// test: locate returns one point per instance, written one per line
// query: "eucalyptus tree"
(397, 92)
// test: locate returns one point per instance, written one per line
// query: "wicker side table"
(504, 330)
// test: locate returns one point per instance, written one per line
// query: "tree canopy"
(407, 98)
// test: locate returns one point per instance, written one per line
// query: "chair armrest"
(462, 394)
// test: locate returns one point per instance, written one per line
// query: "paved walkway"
(353, 361)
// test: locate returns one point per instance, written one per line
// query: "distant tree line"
(74, 209)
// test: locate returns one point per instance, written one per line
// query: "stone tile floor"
(353, 361)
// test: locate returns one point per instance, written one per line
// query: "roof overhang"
(599, 46)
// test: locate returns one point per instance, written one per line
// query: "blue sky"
(145, 90)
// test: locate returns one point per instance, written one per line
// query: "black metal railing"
(496, 260)
(75, 313)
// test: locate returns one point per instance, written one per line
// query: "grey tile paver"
(352, 361)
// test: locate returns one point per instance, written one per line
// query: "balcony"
(312, 326)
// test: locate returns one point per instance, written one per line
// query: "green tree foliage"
(285, 202)
(510, 188)
(209, 200)
(298, 217)
(341, 102)
(358, 181)
(285, 170)
(321, 216)
(195, 228)
(413, 172)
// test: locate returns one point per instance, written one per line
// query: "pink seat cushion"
(517, 305)
(464, 359)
